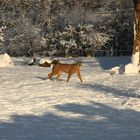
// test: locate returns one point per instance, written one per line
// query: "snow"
(43, 60)
(131, 69)
(5, 60)
(115, 70)
(104, 107)
(135, 58)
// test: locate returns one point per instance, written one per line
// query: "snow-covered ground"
(103, 107)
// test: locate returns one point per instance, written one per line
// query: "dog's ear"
(51, 66)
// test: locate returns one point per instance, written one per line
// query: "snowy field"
(103, 107)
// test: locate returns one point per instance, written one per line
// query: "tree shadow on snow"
(109, 90)
(96, 122)
(110, 62)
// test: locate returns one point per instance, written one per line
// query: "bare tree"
(136, 48)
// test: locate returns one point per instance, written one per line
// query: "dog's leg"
(69, 75)
(50, 75)
(79, 76)
(58, 75)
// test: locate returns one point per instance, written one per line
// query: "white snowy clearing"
(103, 107)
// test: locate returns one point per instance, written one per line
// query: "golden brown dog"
(70, 69)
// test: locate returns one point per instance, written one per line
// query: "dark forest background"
(67, 27)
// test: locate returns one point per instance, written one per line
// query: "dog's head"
(79, 63)
(55, 62)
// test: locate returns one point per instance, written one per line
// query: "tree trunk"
(136, 47)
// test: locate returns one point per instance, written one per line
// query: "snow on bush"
(117, 70)
(6, 61)
(43, 60)
(114, 70)
(99, 39)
